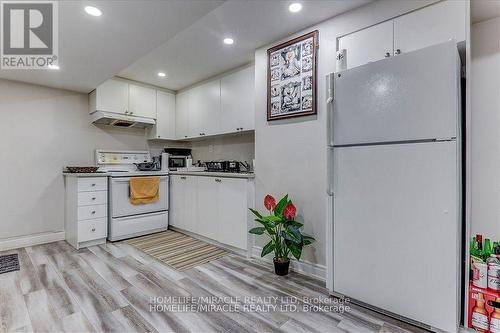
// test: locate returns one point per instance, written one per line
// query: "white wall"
(42, 130)
(485, 129)
(291, 154)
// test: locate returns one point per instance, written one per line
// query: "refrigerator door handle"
(329, 107)
(329, 171)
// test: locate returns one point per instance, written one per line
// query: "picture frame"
(292, 78)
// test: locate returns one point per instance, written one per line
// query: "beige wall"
(42, 130)
(485, 129)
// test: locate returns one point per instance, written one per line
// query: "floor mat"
(177, 250)
(9, 263)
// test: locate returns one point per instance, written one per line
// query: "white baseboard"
(30, 240)
(304, 267)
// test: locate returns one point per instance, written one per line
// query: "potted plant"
(284, 231)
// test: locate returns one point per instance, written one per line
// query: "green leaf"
(286, 234)
(267, 249)
(310, 238)
(273, 219)
(257, 230)
(296, 233)
(256, 213)
(295, 249)
(278, 211)
(295, 224)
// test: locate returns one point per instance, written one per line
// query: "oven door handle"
(127, 179)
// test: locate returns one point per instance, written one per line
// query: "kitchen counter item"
(214, 174)
(79, 169)
(146, 166)
(90, 174)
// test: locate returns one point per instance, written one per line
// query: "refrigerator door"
(396, 230)
(412, 96)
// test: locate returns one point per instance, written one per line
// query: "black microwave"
(175, 162)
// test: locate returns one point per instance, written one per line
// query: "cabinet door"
(233, 208)
(142, 101)
(112, 96)
(367, 45)
(177, 201)
(237, 101)
(182, 115)
(430, 25)
(165, 116)
(207, 212)
(190, 203)
(204, 109)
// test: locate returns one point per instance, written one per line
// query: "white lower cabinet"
(212, 207)
(232, 195)
(86, 211)
(182, 198)
(207, 207)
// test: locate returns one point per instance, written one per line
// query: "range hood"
(120, 120)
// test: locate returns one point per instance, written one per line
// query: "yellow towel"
(144, 190)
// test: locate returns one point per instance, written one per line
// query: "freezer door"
(396, 229)
(412, 96)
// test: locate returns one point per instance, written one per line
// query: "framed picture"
(291, 78)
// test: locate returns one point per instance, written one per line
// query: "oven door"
(120, 198)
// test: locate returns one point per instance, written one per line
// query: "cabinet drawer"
(92, 229)
(92, 212)
(92, 198)
(92, 184)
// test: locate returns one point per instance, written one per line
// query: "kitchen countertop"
(214, 174)
(88, 174)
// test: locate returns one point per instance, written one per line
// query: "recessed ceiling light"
(295, 7)
(161, 74)
(228, 41)
(94, 11)
(54, 67)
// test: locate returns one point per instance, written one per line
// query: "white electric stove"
(126, 220)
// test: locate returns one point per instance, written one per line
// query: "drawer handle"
(93, 212)
(183, 177)
(93, 198)
(93, 184)
(218, 180)
(93, 229)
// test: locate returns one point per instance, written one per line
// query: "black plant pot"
(281, 266)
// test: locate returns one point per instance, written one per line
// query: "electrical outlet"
(210, 148)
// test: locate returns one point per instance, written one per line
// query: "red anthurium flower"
(290, 211)
(269, 202)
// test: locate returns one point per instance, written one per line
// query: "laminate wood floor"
(112, 287)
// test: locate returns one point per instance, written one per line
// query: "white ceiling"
(198, 52)
(482, 10)
(137, 38)
(93, 49)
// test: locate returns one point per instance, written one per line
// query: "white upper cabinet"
(182, 115)
(165, 116)
(142, 101)
(424, 27)
(111, 96)
(122, 97)
(367, 45)
(204, 109)
(237, 101)
(430, 25)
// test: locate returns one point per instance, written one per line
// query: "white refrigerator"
(395, 181)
